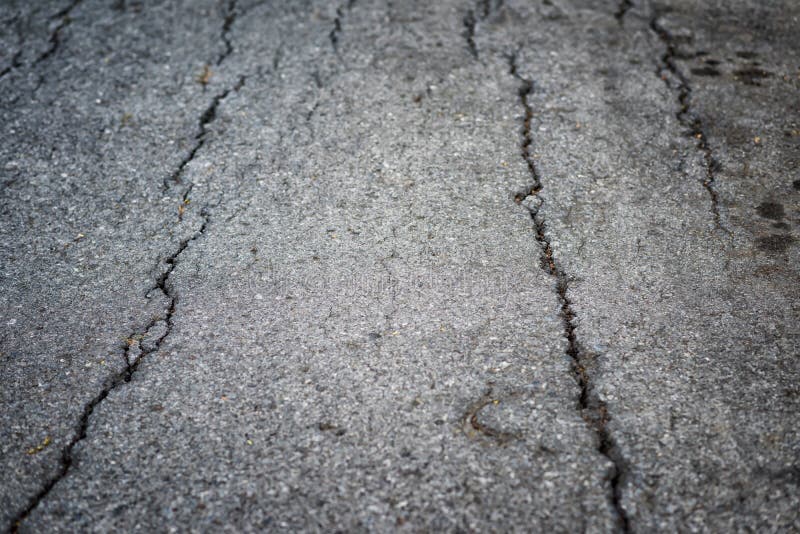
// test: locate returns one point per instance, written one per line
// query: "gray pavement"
(419, 266)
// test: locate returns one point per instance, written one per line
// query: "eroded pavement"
(492, 266)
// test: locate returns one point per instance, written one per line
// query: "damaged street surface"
(505, 265)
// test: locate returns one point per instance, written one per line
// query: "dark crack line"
(593, 410)
(208, 116)
(686, 116)
(622, 10)
(210, 113)
(54, 40)
(484, 9)
(119, 379)
(337, 24)
(230, 18)
(132, 364)
(15, 63)
(55, 35)
(469, 33)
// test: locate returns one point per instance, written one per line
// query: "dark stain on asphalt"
(771, 210)
(751, 75)
(796, 184)
(775, 242)
(705, 71)
(746, 54)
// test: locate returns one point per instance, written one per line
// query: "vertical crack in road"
(230, 18)
(622, 10)
(158, 329)
(132, 364)
(206, 118)
(666, 69)
(473, 17)
(593, 410)
(337, 24)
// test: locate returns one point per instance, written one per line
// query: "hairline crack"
(687, 117)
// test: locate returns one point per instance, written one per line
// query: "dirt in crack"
(593, 409)
(668, 71)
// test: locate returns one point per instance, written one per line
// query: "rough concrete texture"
(425, 266)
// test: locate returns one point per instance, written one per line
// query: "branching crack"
(153, 334)
(593, 409)
(666, 69)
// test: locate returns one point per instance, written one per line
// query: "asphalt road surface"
(506, 265)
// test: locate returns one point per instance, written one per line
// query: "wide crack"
(593, 409)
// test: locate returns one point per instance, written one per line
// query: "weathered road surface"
(424, 266)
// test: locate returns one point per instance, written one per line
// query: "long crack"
(54, 40)
(132, 361)
(122, 377)
(593, 409)
(666, 69)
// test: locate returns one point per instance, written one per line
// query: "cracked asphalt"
(505, 265)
